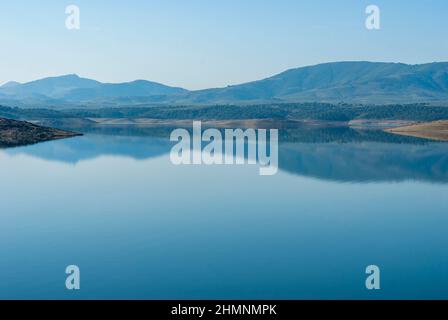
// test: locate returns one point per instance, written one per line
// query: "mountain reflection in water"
(338, 154)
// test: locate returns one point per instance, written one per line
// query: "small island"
(15, 133)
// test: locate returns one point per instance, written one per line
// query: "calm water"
(139, 227)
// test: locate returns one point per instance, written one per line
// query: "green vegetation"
(287, 111)
(294, 111)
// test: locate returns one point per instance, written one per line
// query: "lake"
(139, 227)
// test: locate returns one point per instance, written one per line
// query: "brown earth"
(437, 130)
(15, 133)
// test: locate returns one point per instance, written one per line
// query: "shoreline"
(15, 133)
(252, 123)
(436, 130)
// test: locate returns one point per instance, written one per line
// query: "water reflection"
(150, 230)
(337, 154)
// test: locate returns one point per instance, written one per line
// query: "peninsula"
(15, 133)
(436, 130)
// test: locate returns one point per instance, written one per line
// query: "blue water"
(140, 227)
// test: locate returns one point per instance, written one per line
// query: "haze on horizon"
(204, 44)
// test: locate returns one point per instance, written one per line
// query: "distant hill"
(54, 87)
(350, 82)
(72, 90)
(10, 84)
(362, 82)
(138, 88)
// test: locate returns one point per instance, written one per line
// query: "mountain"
(53, 87)
(10, 84)
(71, 90)
(351, 82)
(138, 88)
(364, 82)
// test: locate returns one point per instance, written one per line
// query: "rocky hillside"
(17, 133)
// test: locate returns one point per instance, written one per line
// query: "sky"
(199, 44)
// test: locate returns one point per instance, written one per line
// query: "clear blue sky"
(207, 43)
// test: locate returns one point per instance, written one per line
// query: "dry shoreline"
(437, 130)
(251, 123)
(223, 123)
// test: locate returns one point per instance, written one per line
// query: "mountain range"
(350, 82)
